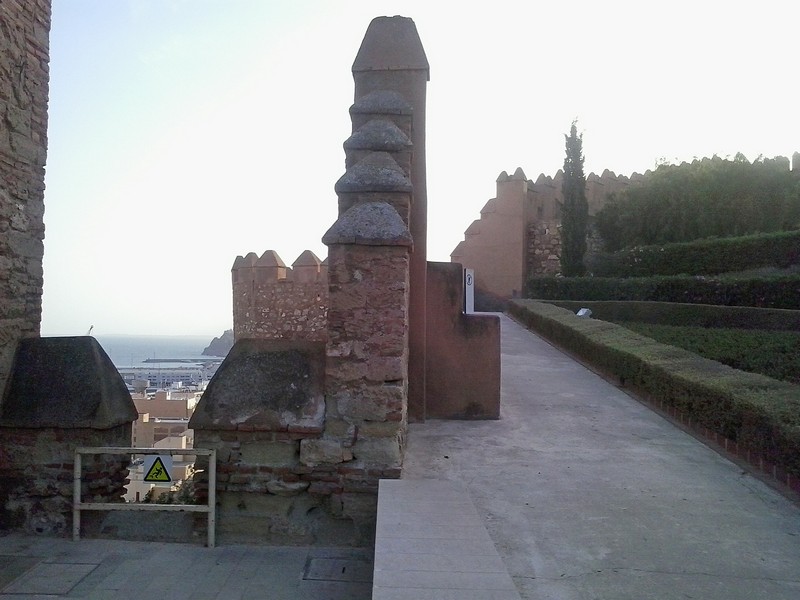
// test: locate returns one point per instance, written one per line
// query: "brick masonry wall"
(36, 471)
(24, 77)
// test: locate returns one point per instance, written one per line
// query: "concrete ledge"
(431, 544)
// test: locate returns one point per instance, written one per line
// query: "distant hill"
(220, 346)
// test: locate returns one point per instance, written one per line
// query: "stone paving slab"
(431, 542)
(123, 570)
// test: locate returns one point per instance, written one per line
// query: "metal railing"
(78, 506)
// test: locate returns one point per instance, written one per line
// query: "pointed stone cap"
(378, 135)
(382, 102)
(245, 261)
(519, 175)
(474, 227)
(376, 172)
(266, 385)
(369, 224)
(65, 382)
(458, 251)
(270, 258)
(307, 259)
(391, 44)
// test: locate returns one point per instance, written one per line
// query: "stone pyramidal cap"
(239, 262)
(391, 44)
(369, 224)
(65, 382)
(270, 258)
(519, 175)
(376, 172)
(307, 259)
(382, 102)
(379, 135)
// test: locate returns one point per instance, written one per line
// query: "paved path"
(588, 494)
(38, 568)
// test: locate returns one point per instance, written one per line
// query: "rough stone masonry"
(24, 79)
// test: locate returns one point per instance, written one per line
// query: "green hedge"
(757, 412)
(763, 292)
(696, 315)
(702, 257)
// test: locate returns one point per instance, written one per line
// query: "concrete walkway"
(39, 568)
(587, 494)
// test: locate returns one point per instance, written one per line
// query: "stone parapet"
(64, 393)
(273, 301)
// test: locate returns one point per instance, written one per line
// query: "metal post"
(76, 497)
(212, 497)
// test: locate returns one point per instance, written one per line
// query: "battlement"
(518, 231)
(270, 269)
(273, 301)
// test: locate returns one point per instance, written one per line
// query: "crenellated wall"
(24, 79)
(517, 234)
(273, 301)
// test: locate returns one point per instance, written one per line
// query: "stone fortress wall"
(273, 301)
(24, 79)
(518, 232)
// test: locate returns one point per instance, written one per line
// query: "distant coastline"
(130, 350)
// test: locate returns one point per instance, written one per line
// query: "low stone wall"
(285, 473)
(64, 393)
(36, 475)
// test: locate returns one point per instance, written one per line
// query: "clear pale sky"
(183, 133)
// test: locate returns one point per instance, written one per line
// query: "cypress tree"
(575, 210)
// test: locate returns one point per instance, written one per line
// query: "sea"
(132, 350)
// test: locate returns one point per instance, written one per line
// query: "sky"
(183, 133)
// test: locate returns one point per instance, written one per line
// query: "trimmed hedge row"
(701, 257)
(695, 315)
(757, 412)
(763, 292)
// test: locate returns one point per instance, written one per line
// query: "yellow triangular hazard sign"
(157, 473)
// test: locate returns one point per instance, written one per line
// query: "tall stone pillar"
(24, 76)
(392, 59)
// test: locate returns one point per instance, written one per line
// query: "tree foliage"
(575, 211)
(707, 198)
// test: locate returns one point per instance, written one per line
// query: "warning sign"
(156, 469)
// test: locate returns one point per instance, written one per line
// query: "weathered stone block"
(387, 368)
(372, 403)
(379, 451)
(267, 385)
(323, 451)
(286, 488)
(278, 454)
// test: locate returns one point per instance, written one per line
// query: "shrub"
(764, 292)
(701, 257)
(757, 412)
